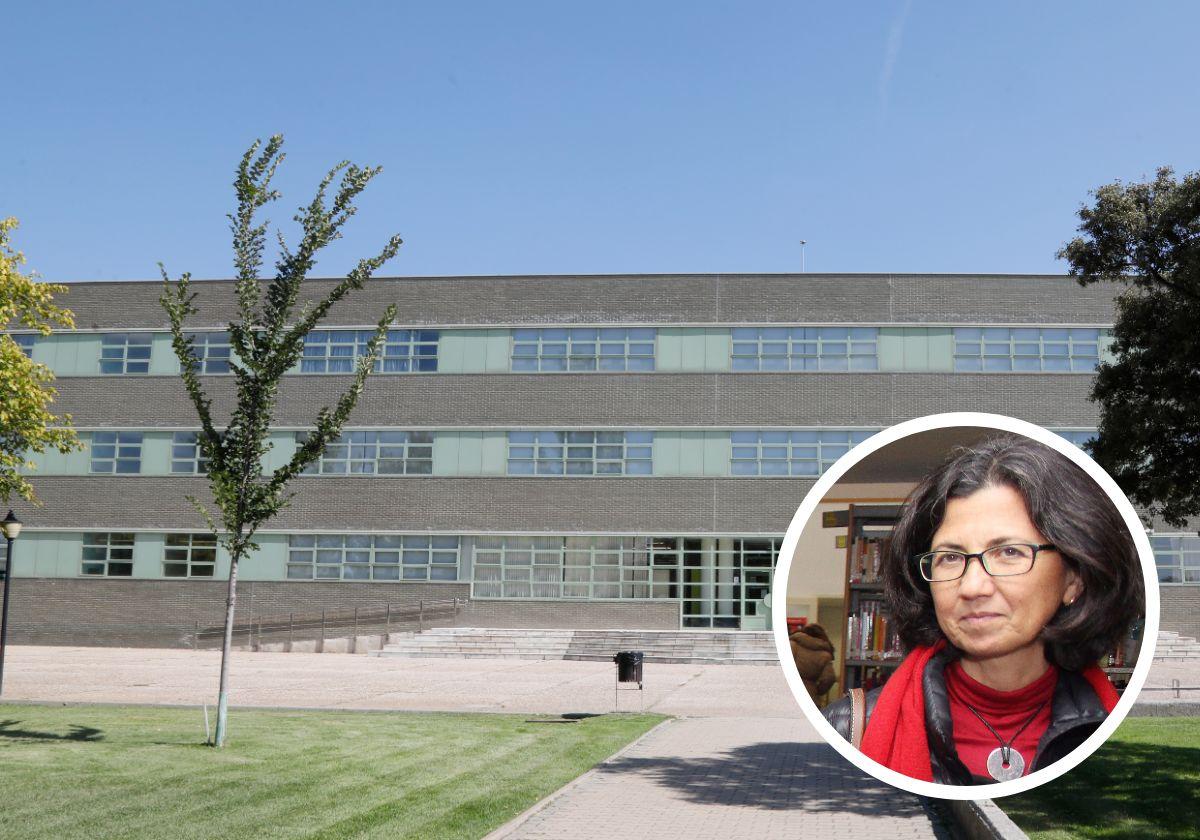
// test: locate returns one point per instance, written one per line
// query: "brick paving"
(721, 778)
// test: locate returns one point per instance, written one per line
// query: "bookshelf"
(871, 648)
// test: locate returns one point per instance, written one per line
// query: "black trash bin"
(629, 666)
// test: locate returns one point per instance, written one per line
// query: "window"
(108, 555)
(1076, 436)
(368, 557)
(122, 353)
(580, 453)
(584, 349)
(3, 559)
(1177, 557)
(562, 567)
(190, 555)
(1028, 349)
(186, 458)
(375, 453)
(716, 580)
(117, 452)
(25, 341)
(212, 351)
(791, 453)
(805, 348)
(336, 351)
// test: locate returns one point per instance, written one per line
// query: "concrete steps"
(662, 646)
(1172, 647)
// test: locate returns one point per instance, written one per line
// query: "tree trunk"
(226, 646)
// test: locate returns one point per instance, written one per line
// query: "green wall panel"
(941, 348)
(156, 453)
(498, 351)
(718, 453)
(268, 563)
(473, 351)
(162, 354)
(283, 447)
(53, 462)
(70, 355)
(665, 454)
(451, 449)
(47, 554)
(470, 453)
(1106, 353)
(693, 349)
(718, 349)
(148, 555)
(452, 350)
(698, 453)
(495, 453)
(915, 349)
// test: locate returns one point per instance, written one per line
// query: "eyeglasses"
(997, 561)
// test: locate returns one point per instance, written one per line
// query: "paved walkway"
(722, 778)
(344, 681)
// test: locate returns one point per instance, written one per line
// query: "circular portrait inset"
(966, 603)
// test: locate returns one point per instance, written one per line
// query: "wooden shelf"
(873, 663)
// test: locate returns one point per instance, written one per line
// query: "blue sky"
(560, 137)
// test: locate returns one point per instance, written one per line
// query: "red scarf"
(895, 735)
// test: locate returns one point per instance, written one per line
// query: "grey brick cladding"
(589, 505)
(651, 299)
(160, 613)
(618, 399)
(1180, 610)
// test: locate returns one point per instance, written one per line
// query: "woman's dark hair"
(1070, 510)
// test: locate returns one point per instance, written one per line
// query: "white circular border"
(822, 488)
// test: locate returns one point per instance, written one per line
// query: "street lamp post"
(11, 526)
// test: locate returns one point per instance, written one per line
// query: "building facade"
(568, 451)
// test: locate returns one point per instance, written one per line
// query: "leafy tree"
(26, 423)
(1147, 237)
(268, 339)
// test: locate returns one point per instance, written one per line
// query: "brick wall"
(151, 613)
(603, 399)
(633, 298)
(1180, 609)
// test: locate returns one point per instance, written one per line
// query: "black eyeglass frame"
(967, 557)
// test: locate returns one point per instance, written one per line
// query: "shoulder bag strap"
(858, 716)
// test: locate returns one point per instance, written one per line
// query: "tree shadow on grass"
(774, 776)
(1122, 790)
(77, 733)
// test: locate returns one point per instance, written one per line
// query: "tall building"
(564, 451)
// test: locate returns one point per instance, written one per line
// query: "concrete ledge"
(1166, 708)
(981, 820)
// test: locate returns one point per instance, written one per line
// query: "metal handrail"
(1174, 686)
(325, 621)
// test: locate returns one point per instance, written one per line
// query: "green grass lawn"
(1144, 782)
(101, 772)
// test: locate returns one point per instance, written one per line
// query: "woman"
(1009, 575)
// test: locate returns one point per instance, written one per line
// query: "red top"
(1006, 711)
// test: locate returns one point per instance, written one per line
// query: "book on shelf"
(866, 558)
(870, 634)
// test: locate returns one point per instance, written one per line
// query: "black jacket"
(1075, 712)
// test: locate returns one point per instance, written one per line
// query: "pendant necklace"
(1005, 763)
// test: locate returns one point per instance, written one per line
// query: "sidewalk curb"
(520, 819)
(983, 819)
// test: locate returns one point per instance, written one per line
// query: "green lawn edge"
(144, 772)
(1144, 782)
